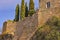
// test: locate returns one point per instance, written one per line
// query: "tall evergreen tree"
(26, 10)
(22, 14)
(31, 7)
(17, 13)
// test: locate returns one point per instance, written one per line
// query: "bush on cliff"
(49, 31)
(6, 37)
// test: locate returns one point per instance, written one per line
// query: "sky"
(7, 10)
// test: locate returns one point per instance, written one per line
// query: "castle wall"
(26, 27)
(9, 27)
(45, 15)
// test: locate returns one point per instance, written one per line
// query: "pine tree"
(26, 10)
(31, 8)
(17, 13)
(22, 14)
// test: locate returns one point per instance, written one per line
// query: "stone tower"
(43, 4)
(47, 8)
(44, 11)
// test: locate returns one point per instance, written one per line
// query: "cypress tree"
(26, 10)
(22, 14)
(17, 13)
(31, 7)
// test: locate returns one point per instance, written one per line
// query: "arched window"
(48, 5)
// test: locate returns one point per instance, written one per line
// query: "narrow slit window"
(48, 4)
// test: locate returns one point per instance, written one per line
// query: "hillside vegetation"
(49, 31)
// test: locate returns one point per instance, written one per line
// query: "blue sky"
(7, 9)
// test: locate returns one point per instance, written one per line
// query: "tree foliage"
(49, 31)
(26, 10)
(22, 14)
(31, 8)
(17, 13)
(53, 21)
(6, 37)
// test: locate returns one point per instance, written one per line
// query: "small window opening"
(48, 5)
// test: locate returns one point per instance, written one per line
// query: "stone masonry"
(9, 27)
(25, 29)
(29, 25)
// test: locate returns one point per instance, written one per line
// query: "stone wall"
(9, 27)
(44, 17)
(26, 27)
(53, 3)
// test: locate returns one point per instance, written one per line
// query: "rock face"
(26, 28)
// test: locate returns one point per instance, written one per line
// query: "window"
(48, 5)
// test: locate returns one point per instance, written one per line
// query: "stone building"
(26, 28)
